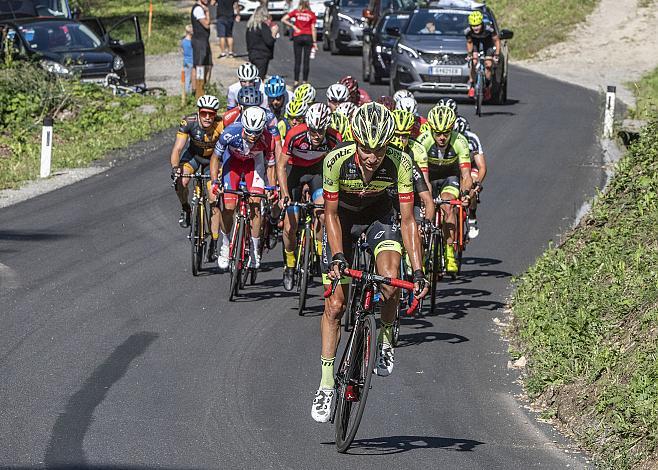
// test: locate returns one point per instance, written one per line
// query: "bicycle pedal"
(351, 393)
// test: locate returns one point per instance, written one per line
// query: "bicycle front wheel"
(355, 374)
(305, 266)
(196, 236)
(436, 255)
(236, 263)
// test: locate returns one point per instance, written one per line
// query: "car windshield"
(59, 36)
(354, 3)
(393, 21)
(443, 22)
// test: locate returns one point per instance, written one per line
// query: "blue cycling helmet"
(275, 86)
(250, 96)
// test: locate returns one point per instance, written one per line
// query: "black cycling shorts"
(195, 162)
(449, 184)
(298, 176)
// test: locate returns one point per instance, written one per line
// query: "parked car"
(81, 48)
(436, 62)
(14, 9)
(277, 8)
(378, 45)
(344, 21)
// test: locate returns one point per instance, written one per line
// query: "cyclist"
(247, 76)
(337, 94)
(306, 93)
(348, 109)
(478, 171)
(358, 96)
(356, 176)
(386, 101)
(450, 103)
(301, 163)
(199, 132)
(449, 169)
(402, 94)
(295, 113)
(278, 95)
(243, 150)
(481, 38)
(408, 103)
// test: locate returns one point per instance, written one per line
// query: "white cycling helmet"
(338, 93)
(318, 117)
(253, 119)
(347, 108)
(247, 72)
(408, 104)
(402, 94)
(208, 102)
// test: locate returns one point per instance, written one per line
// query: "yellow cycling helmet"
(296, 109)
(404, 121)
(341, 124)
(373, 125)
(305, 93)
(396, 142)
(475, 18)
(425, 127)
(441, 119)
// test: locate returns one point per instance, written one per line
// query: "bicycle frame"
(459, 241)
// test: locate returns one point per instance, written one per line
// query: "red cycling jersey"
(298, 148)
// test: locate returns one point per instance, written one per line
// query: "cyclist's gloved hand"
(337, 266)
(175, 172)
(216, 188)
(420, 284)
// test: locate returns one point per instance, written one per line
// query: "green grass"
(539, 23)
(586, 317)
(168, 20)
(646, 95)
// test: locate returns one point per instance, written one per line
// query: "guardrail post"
(46, 146)
(609, 117)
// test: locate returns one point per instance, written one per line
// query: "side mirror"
(506, 34)
(393, 31)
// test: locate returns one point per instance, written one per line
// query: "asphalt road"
(112, 355)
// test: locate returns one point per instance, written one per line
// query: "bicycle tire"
(352, 292)
(479, 92)
(305, 266)
(395, 337)
(436, 254)
(362, 353)
(194, 239)
(236, 264)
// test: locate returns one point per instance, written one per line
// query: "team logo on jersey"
(303, 146)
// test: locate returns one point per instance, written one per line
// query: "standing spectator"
(303, 36)
(188, 58)
(228, 12)
(261, 35)
(202, 54)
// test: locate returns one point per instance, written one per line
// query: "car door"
(125, 40)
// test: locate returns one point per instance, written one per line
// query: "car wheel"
(504, 99)
(335, 50)
(374, 78)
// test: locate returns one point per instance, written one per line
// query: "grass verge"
(646, 95)
(169, 20)
(89, 121)
(539, 23)
(586, 318)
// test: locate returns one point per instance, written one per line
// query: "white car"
(276, 7)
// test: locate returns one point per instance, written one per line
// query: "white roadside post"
(46, 146)
(609, 117)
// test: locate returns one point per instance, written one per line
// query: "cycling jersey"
(474, 144)
(232, 95)
(416, 129)
(343, 180)
(483, 40)
(232, 116)
(418, 153)
(444, 162)
(284, 126)
(279, 114)
(364, 97)
(300, 151)
(201, 141)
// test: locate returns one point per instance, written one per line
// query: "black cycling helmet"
(250, 96)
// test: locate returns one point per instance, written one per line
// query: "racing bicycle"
(200, 220)
(480, 83)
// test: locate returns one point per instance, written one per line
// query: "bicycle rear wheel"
(197, 239)
(436, 256)
(236, 262)
(305, 266)
(479, 92)
(355, 373)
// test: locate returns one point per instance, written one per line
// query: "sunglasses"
(438, 134)
(207, 114)
(253, 135)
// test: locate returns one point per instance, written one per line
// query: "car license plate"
(445, 71)
(271, 6)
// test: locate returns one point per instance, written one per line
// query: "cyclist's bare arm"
(428, 202)
(481, 163)
(469, 47)
(333, 228)
(282, 177)
(176, 151)
(410, 235)
(466, 182)
(214, 167)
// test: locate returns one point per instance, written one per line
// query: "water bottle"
(313, 49)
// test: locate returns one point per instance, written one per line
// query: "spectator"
(304, 36)
(202, 56)
(188, 58)
(261, 35)
(228, 12)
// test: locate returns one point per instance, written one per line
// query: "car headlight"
(383, 49)
(349, 19)
(55, 67)
(117, 63)
(402, 49)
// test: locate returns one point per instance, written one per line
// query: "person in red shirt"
(304, 37)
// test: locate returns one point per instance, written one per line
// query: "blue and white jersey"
(231, 144)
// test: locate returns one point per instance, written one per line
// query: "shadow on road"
(414, 339)
(31, 236)
(400, 444)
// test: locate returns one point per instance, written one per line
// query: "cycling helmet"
(247, 72)
(462, 125)
(250, 96)
(253, 119)
(425, 127)
(347, 108)
(305, 92)
(475, 18)
(441, 119)
(373, 125)
(296, 109)
(387, 101)
(341, 124)
(208, 102)
(449, 102)
(318, 117)
(396, 142)
(351, 84)
(408, 104)
(402, 94)
(275, 86)
(404, 121)
(338, 93)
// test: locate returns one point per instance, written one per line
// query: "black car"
(80, 48)
(378, 46)
(13, 9)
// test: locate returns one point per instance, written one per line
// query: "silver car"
(430, 55)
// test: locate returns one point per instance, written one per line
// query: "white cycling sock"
(224, 236)
(255, 243)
